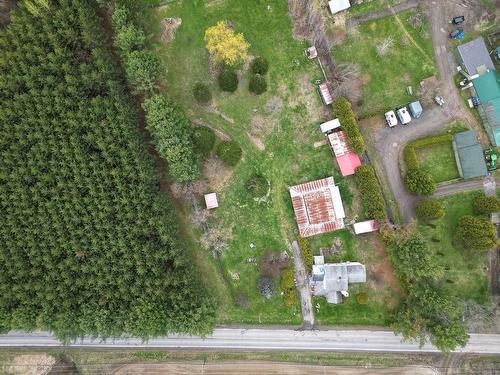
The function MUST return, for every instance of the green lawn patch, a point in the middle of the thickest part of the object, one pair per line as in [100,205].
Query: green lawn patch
[465,275]
[369,6]
[439,160]
[409,59]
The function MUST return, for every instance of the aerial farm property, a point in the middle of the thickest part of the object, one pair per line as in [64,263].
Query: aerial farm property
[176,166]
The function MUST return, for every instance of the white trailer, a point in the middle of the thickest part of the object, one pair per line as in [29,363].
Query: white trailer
[403,115]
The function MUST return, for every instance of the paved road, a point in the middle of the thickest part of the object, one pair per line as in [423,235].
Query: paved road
[389,143]
[262,339]
[303,287]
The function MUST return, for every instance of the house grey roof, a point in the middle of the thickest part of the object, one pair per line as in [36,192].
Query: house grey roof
[331,279]
[474,55]
[469,154]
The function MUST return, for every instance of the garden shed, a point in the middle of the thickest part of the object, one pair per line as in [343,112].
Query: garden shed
[318,207]
[347,160]
[367,226]
[336,6]
[211,201]
[469,155]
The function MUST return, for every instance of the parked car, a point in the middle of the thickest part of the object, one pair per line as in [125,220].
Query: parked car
[457,34]
[403,115]
[390,118]
[439,100]
[463,82]
[458,20]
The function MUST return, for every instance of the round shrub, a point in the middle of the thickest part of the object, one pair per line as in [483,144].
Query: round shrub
[362,298]
[257,186]
[204,139]
[258,84]
[420,182]
[429,209]
[265,286]
[486,205]
[259,65]
[228,80]
[229,152]
[202,93]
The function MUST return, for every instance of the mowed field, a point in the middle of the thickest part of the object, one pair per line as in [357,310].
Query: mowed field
[407,59]
[279,134]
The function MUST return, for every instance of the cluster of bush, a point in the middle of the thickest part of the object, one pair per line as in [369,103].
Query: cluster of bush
[429,209]
[371,193]
[142,66]
[204,141]
[427,313]
[258,68]
[342,109]
[173,137]
[477,232]
[417,180]
[272,266]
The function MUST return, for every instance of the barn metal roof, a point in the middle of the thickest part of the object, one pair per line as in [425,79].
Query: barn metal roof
[318,207]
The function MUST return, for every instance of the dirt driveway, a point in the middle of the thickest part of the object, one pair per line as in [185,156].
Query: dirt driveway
[271,368]
[388,143]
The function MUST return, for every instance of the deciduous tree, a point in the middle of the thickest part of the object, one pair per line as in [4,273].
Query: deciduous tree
[225,45]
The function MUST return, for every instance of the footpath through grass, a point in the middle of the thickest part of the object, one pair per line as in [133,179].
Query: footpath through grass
[408,59]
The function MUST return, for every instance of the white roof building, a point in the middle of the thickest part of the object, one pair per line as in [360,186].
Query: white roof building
[338,5]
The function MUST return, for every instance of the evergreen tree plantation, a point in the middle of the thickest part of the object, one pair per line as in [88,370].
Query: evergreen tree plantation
[88,243]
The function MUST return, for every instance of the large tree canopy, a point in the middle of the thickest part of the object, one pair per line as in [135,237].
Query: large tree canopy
[89,246]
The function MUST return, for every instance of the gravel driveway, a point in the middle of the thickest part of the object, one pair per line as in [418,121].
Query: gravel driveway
[389,143]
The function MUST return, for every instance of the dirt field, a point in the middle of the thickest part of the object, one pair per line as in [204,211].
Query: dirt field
[264,368]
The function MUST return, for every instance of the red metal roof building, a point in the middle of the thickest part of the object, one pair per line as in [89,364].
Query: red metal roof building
[347,160]
[318,207]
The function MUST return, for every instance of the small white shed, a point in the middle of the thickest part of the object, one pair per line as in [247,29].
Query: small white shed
[338,5]
[365,227]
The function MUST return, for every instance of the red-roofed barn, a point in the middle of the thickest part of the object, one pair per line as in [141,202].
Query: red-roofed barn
[318,207]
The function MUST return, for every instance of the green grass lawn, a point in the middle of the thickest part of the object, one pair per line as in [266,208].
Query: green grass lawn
[406,63]
[439,160]
[288,135]
[369,6]
[465,277]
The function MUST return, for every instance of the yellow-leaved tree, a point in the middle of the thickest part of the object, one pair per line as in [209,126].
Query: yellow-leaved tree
[225,45]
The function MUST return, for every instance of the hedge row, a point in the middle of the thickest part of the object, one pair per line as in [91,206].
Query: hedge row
[305,252]
[371,193]
[410,155]
[342,109]
[287,285]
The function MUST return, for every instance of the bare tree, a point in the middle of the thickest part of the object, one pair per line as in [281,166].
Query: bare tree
[385,46]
